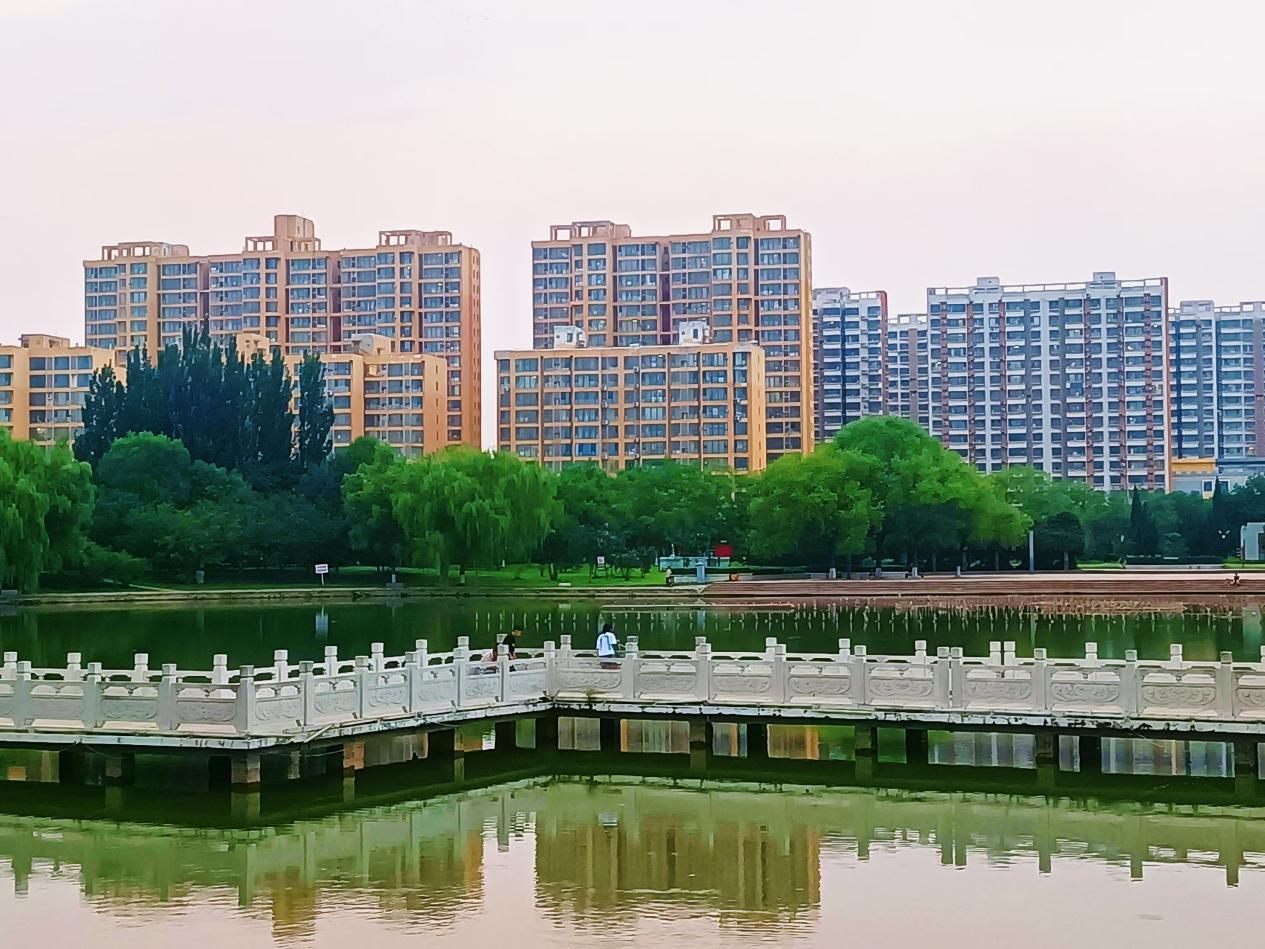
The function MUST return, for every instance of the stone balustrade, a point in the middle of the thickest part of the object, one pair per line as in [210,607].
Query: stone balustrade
[287,698]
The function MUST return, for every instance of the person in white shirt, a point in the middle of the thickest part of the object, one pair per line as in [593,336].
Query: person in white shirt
[607,645]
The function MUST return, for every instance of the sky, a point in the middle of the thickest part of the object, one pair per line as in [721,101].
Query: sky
[921,142]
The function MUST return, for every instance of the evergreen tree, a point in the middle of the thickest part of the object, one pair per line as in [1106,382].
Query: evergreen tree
[316,415]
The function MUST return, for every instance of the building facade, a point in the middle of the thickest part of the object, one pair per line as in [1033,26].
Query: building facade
[1217,361]
[747,280]
[851,370]
[375,391]
[417,289]
[624,406]
[1070,378]
[43,383]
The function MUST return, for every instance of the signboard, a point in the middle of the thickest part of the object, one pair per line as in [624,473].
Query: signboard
[601,561]
[322,568]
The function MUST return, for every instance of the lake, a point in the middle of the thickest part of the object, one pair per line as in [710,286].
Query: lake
[249,633]
[627,861]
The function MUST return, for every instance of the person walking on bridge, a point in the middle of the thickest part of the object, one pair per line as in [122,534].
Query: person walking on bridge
[608,647]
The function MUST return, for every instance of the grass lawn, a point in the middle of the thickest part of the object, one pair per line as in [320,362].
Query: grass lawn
[527,577]
[1099,565]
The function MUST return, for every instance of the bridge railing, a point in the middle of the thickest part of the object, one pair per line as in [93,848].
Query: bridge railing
[287,697]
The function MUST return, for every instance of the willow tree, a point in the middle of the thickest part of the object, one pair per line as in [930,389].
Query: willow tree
[45,504]
[470,508]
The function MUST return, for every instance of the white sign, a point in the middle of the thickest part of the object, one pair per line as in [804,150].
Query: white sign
[601,561]
[322,568]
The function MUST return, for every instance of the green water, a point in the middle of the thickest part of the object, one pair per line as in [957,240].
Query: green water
[629,862]
[249,634]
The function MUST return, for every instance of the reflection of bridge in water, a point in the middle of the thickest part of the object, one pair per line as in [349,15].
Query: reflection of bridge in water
[610,846]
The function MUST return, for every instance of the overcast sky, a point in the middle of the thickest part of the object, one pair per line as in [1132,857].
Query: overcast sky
[922,143]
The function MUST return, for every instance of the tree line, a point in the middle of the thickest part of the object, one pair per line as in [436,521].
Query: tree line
[149,504]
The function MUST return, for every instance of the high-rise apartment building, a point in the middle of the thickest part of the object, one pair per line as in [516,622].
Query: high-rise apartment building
[1217,364]
[417,289]
[905,368]
[748,280]
[696,403]
[43,383]
[850,340]
[1070,378]
[375,391]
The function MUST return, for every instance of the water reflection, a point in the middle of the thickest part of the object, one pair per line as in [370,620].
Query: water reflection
[250,633]
[598,857]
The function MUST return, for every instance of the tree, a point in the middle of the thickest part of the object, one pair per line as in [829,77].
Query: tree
[674,507]
[1059,536]
[316,415]
[1143,536]
[814,506]
[46,499]
[369,494]
[584,527]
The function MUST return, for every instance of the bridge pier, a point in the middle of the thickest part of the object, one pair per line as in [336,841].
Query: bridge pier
[757,741]
[609,734]
[866,750]
[1246,768]
[506,736]
[245,772]
[1046,752]
[700,745]
[442,745]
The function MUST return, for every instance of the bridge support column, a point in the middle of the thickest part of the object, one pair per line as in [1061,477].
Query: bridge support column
[244,772]
[700,745]
[1046,752]
[244,806]
[916,746]
[353,758]
[111,769]
[1246,768]
[547,733]
[443,746]
[609,731]
[866,749]
[1090,754]
[757,741]
[506,736]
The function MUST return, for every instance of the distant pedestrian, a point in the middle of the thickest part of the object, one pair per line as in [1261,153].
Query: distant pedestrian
[668,578]
[608,647]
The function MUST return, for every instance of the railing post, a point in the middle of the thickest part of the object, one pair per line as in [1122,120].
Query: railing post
[1175,656]
[940,674]
[1131,683]
[502,672]
[423,652]
[920,652]
[860,686]
[331,660]
[412,677]
[219,669]
[461,668]
[1008,654]
[845,649]
[377,657]
[281,665]
[74,667]
[551,668]
[702,670]
[1091,654]
[362,687]
[307,691]
[22,712]
[140,667]
[1225,687]
[778,669]
[92,696]
[167,720]
[9,667]
[245,718]
[1040,681]
[628,669]
[994,652]
[957,679]
[564,649]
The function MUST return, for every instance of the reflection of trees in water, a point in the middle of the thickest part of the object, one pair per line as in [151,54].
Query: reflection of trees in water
[750,857]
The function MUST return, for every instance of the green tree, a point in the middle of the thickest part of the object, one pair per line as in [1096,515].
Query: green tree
[1143,536]
[316,415]
[46,499]
[1059,537]
[815,507]
[675,507]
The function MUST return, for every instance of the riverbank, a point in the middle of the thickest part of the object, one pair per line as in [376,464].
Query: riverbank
[1128,589]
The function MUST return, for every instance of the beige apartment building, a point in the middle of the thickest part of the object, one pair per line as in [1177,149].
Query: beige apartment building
[397,398]
[43,383]
[623,406]
[748,280]
[416,289]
